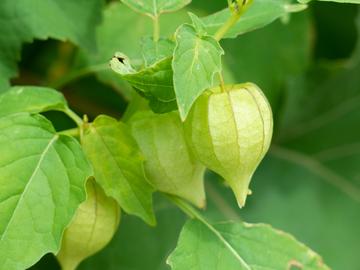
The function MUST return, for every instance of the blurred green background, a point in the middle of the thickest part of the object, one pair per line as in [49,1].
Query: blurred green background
[309,183]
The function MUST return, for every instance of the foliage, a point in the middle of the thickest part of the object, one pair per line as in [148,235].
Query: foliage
[191,93]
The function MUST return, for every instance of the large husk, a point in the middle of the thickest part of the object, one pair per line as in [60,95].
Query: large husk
[169,164]
[230,132]
[92,228]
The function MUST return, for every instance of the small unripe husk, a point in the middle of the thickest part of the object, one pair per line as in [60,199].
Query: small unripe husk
[230,130]
[169,164]
[93,226]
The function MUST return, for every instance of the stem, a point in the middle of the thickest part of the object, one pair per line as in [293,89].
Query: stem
[236,14]
[85,125]
[156,34]
[74,132]
[187,209]
[193,213]
[222,83]
[292,8]
[74,117]
[77,74]
[226,27]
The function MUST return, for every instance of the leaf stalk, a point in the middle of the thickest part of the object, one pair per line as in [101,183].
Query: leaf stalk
[194,214]
[73,132]
[74,117]
[156,34]
[237,9]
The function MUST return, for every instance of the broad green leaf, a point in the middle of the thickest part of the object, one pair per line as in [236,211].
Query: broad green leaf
[237,246]
[58,19]
[118,18]
[158,106]
[31,99]
[197,24]
[197,58]
[156,7]
[156,80]
[118,166]
[154,51]
[169,164]
[259,14]
[93,226]
[42,178]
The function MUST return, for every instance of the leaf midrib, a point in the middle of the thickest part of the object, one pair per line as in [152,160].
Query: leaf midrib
[38,165]
[120,169]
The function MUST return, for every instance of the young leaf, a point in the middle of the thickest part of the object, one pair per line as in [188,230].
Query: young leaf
[197,58]
[31,99]
[42,179]
[154,81]
[156,7]
[64,20]
[259,14]
[118,166]
[240,246]
[116,19]
[154,51]
[158,106]
[169,164]
[95,223]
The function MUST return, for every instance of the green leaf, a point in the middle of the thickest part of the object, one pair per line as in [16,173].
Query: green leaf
[118,166]
[118,18]
[31,99]
[158,106]
[93,226]
[156,7]
[198,24]
[58,19]
[197,58]
[169,164]
[236,246]
[259,14]
[154,51]
[42,178]
[154,82]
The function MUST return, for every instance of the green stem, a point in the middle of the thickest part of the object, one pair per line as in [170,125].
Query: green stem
[74,132]
[292,8]
[74,117]
[194,214]
[77,74]
[222,83]
[236,14]
[226,27]
[190,211]
[156,34]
